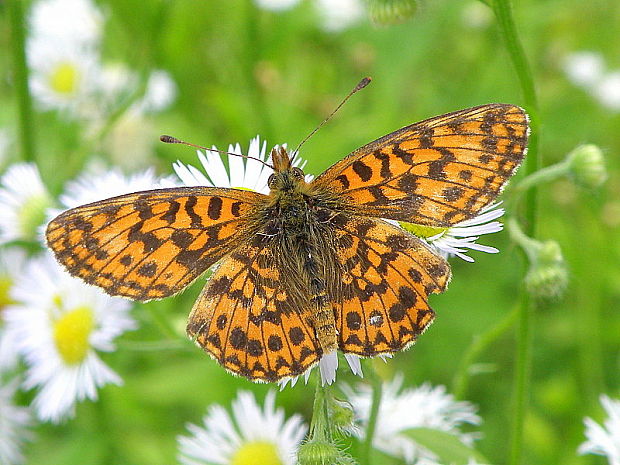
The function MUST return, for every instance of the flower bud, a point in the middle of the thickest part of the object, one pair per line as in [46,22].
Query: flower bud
[587,166]
[386,12]
[547,276]
[317,452]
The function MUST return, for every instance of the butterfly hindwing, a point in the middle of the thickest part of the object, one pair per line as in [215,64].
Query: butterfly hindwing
[151,244]
[247,321]
[437,172]
[387,279]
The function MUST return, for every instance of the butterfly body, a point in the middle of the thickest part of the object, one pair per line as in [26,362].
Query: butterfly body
[310,267]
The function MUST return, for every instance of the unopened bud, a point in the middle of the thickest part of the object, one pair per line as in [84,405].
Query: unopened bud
[587,166]
[548,276]
[386,12]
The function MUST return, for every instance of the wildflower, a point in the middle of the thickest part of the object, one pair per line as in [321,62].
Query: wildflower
[96,185]
[160,92]
[252,435]
[276,5]
[337,15]
[63,54]
[23,201]
[59,330]
[247,173]
[604,440]
[12,262]
[14,422]
[456,239]
[547,276]
[73,21]
[608,91]
[400,410]
[584,69]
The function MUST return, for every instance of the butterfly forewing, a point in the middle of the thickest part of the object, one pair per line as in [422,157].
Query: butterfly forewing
[389,275]
[437,172]
[248,321]
[152,244]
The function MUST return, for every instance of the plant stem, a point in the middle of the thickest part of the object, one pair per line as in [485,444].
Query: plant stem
[20,78]
[373,415]
[503,12]
[319,426]
[478,346]
[543,175]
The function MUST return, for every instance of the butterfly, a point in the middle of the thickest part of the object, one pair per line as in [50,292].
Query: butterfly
[312,267]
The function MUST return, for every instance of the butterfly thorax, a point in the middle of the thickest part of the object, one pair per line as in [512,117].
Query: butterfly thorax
[296,226]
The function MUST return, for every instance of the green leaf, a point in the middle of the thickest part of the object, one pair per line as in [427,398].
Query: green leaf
[448,447]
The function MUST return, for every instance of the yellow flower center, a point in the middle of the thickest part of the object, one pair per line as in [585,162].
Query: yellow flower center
[5,287]
[64,78]
[71,334]
[32,215]
[252,453]
[420,230]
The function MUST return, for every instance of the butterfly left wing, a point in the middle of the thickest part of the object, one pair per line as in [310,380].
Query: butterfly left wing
[151,244]
[249,323]
[388,275]
[437,172]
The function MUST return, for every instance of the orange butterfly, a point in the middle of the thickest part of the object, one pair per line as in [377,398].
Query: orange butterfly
[311,267]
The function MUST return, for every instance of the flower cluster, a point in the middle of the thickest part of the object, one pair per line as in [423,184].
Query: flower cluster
[255,435]
[587,70]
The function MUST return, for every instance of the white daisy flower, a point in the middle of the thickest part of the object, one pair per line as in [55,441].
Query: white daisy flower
[337,15]
[5,143]
[276,5]
[161,90]
[63,75]
[243,173]
[457,239]
[60,324]
[72,21]
[12,262]
[607,91]
[250,436]
[422,407]
[14,422]
[95,185]
[604,440]
[23,201]
[584,69]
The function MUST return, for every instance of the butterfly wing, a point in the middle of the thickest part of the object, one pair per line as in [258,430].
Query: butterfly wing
[151,244]
[388,275]
[249,323]
[437,172]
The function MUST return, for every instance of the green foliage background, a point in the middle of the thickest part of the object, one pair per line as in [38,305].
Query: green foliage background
[241,72]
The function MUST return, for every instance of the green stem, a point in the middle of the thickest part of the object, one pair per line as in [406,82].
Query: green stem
[528,245]
[373,415]
[543,175]
[20,78]
[503,12]
[319,426]
[478,346]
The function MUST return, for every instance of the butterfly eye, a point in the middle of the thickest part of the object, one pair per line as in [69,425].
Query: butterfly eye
[297,173]
[271,180]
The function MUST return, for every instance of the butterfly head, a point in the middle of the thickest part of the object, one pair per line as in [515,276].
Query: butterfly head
[285,176]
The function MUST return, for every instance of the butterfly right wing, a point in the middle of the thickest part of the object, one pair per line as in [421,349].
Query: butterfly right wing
[249,323]
[152,244]
[437,172]
[388,275]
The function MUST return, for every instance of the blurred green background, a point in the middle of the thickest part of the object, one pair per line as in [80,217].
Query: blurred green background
[243,71]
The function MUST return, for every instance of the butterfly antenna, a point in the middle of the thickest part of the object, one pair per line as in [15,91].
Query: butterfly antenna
[360,85]
[173,140]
